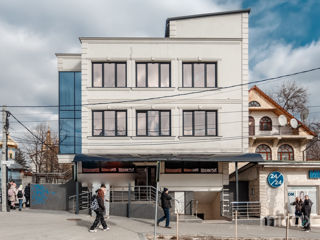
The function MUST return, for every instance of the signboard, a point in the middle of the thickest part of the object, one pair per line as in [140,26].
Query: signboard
[314,174]
[275,179]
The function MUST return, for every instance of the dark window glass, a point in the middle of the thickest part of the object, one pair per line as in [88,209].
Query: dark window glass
[97,75]
[109,75]
[90,167]
[173,167]
[208,167]
[153,75]
[109,123]
[69,112]
[265,124]
[285,152]
[199,75]
[254,104]
[200,123]
[191,167]
[153,123]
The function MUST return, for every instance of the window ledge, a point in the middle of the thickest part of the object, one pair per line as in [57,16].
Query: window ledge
[107,89]
[199,137]
[108,138]
[154,138]
[196,89]
[153,89]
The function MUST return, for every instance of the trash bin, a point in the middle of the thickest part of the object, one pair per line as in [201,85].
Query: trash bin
[271,221]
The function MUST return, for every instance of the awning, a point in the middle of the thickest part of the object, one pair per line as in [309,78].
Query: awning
[248,157]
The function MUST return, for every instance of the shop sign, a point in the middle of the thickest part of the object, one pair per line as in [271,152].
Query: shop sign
[275,179]
[314,174]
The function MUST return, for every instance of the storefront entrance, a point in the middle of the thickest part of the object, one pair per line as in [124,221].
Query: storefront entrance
[145,176]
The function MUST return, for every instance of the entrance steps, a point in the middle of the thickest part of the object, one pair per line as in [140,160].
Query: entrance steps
[188,218]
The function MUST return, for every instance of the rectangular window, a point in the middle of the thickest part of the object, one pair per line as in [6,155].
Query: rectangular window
[200,123]
[153,75]
[199,75]
[191,167]
[109,123]
[109,75]
[107,167]
[154,123]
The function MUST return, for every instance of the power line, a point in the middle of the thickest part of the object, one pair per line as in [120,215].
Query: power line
[173,95]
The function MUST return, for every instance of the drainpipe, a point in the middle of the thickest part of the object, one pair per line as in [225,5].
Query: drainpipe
[237,182]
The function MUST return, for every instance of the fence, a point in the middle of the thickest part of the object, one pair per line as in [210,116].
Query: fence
[137,193]
[245,210]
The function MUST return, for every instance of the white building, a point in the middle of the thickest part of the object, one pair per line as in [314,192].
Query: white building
[167,99]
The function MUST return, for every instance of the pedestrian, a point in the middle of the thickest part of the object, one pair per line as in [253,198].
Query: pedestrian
[12,196]
[298,209]
[166,205]
[20,194]
[8,187]
[306,210]
[27,194]
[98,201]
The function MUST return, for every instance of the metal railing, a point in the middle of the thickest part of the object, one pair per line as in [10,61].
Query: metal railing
[54,177]
[137,193]
[245,210]
[192,206]
[84,201]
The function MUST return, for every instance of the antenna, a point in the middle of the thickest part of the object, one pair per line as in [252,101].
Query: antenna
[294,123]
[304,114]
[282,120]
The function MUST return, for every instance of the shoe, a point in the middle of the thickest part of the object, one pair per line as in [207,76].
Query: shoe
[106,229]
[158,224]
[93,230]
[168,227]
[19,209]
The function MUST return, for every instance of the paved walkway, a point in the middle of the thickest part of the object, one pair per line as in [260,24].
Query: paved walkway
[39,225]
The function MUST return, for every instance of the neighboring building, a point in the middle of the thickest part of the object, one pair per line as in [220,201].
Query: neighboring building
[15,171]
[116,136]
[282,143]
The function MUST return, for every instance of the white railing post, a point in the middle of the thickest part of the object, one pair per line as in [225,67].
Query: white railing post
[236,225]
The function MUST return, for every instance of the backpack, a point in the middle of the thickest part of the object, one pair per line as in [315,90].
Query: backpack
[20,194]
[94,203]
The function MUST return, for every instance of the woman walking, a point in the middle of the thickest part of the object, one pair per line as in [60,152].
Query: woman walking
[99,212]
[20,195]
[298,209]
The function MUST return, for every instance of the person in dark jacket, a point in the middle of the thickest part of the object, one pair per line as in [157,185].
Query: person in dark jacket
[27,195]
[99,213]
[306,210]
[298,209]
[166,205]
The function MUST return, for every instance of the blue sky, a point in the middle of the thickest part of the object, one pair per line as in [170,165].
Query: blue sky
[284,38]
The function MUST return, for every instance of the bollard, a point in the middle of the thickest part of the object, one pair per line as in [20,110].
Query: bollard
[177,233]
[236,222]
[287,227]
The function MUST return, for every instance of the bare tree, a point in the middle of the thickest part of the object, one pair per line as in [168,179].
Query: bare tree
[291,97]
[313,148]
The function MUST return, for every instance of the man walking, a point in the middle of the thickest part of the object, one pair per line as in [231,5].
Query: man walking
[306,210]
[166,205]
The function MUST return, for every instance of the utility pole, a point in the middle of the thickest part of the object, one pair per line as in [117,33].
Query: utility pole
[4,160]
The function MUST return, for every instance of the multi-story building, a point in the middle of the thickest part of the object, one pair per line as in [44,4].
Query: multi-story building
[126,103]
[285,174]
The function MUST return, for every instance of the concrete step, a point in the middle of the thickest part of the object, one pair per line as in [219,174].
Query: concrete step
[188,218]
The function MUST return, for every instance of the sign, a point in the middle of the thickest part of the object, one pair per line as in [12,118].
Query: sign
[275,179]
[314,174]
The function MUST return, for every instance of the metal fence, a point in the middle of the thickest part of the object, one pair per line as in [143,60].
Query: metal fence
[136,193]
[245,210]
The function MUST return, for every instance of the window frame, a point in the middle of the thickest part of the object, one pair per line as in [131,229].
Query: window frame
[290,154]
[267,153]
[99,167]
[159,74]
[115,126]
[147,127]
[261,124]
[205,74]
[193,123]
[115,74]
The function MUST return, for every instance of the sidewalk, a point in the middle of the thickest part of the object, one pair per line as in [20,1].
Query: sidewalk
[49,225]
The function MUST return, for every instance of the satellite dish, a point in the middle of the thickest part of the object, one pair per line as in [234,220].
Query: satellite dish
[282,120]
[304,114]
[294,123]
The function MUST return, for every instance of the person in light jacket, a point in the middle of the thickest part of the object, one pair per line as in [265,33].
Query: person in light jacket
[166,205]
[12,196]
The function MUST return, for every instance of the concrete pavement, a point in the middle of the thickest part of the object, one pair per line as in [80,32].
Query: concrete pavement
[49,225]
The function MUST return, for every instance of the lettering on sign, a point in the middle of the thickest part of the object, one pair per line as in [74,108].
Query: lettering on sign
[275,179]
[314,174]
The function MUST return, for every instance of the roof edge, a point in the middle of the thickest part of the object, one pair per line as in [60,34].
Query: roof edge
[67,54]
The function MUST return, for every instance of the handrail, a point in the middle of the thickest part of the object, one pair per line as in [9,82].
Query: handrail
[246,210]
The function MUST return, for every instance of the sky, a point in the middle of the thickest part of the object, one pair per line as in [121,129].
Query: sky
[284,37]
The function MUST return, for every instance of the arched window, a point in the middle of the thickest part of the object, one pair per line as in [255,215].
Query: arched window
[254,104]
[285,152]
[265,151]
[265,124]
[251,126]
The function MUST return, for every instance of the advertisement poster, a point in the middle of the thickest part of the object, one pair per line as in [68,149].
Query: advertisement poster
[297,191]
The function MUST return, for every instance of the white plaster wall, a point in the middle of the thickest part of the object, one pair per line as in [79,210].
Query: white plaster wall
[223,26]
[69,62]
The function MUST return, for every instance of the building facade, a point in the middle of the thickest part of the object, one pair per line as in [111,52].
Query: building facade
[286,173]
[126,103]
